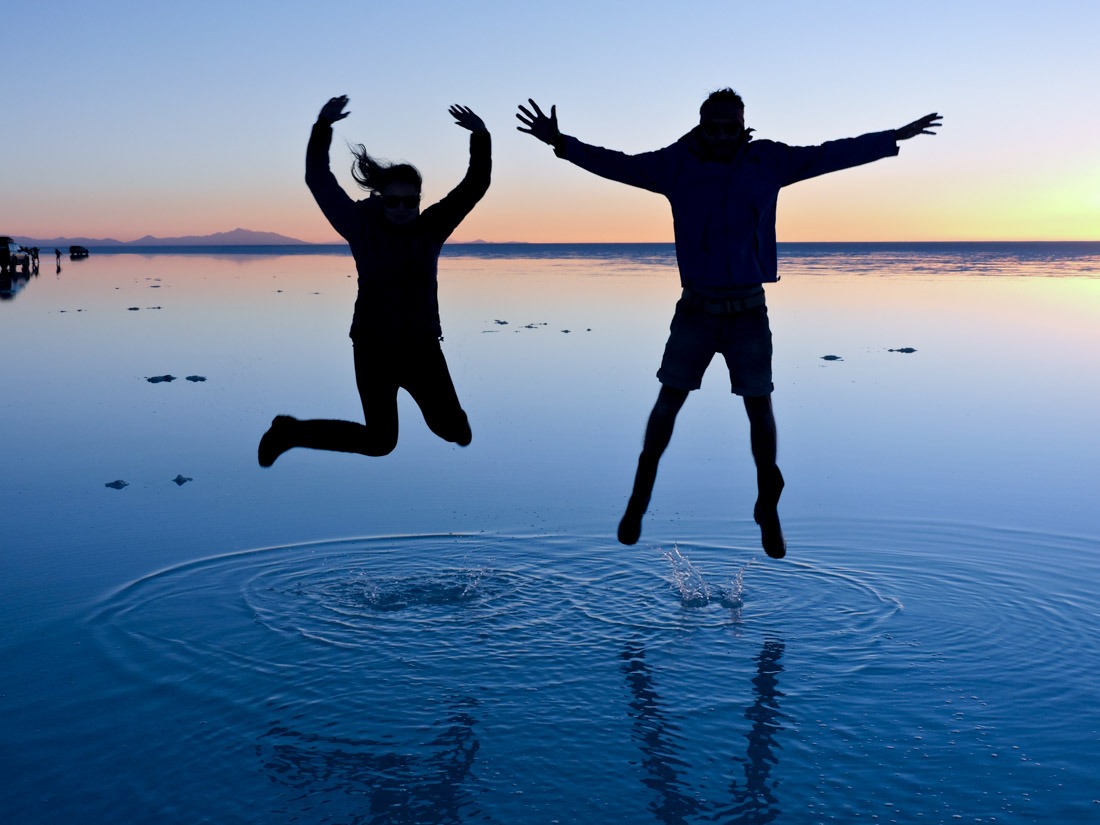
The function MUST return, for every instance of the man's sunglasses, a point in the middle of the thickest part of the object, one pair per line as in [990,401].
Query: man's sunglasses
[712,129]
[393,201]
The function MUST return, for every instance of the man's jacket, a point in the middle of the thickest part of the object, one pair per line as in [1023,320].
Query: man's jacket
[724,211]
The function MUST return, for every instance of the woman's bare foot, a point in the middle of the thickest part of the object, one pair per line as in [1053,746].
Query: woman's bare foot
[276,440]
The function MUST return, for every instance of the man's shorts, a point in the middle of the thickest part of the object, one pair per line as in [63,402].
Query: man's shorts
[744,339]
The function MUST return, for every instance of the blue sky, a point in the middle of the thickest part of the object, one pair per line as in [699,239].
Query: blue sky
[125,118]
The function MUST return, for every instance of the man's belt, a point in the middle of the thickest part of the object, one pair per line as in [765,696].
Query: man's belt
[723,306]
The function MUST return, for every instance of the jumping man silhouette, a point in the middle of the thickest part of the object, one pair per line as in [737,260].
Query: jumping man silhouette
[722,186]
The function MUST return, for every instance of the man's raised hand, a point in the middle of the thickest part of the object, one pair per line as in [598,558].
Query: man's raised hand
[538,124]
[924,126]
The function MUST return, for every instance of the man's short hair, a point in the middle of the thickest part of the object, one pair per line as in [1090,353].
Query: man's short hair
[722,97]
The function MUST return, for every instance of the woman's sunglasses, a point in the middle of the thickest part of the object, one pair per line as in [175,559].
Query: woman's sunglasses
[394,201]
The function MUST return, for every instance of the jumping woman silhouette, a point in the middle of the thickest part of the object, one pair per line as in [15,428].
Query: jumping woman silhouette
[395,328]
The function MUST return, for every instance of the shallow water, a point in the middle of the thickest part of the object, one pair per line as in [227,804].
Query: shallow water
[447,635]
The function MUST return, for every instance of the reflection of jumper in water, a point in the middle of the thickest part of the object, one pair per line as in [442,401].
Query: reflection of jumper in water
[395,328]
[392,784]
[659,737]
[755,801]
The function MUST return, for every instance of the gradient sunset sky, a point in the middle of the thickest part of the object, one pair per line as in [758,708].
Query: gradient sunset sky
[127,118]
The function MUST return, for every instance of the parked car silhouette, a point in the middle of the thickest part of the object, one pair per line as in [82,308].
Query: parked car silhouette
[12,255]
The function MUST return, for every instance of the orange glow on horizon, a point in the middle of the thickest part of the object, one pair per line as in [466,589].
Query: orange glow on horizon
[897,205]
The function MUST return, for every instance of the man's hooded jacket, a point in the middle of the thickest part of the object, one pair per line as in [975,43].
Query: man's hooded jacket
[724,211]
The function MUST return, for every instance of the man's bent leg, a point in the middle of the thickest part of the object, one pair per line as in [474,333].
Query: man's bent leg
[769,481]
[657,435]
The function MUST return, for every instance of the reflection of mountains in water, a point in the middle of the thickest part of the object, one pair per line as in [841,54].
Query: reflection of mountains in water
[974,258]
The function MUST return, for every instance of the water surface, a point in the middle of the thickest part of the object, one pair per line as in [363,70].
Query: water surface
[446,635]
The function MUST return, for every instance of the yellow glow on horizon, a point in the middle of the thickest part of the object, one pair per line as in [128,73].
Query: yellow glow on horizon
[868,204]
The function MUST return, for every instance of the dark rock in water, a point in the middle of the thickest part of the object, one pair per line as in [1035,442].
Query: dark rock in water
[196,378]
[181,480]
[158,379]
[902,349]
[118,484]
[831,358]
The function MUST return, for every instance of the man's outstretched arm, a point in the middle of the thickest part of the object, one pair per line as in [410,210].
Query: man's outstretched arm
[802,162]
[923,126]
[649,170]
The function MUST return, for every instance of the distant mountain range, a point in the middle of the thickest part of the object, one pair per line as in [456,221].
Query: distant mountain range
[238,237]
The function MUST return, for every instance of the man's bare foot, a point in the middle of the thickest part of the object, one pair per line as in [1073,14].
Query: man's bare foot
[766,513]
[276,440]
[630,528]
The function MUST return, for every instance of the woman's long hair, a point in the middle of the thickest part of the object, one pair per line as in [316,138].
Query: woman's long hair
[373,174]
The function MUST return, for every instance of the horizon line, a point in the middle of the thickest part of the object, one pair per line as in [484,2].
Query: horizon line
[110,242]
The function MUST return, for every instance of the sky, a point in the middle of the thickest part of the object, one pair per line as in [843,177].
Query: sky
[123,119]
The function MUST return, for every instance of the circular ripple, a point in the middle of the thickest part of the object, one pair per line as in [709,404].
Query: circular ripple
[982,594]
[287,608]
[382,664]
[711,584]
[457,603]
[972,587]
[349,594]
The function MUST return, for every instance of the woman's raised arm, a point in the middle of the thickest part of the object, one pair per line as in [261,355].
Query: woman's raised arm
[333,200]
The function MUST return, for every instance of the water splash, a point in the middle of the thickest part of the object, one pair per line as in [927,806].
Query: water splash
[433,590]
[686,581]
[694,591]
[732,599]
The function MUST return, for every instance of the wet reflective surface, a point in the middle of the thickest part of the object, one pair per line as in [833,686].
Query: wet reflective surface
[446,635]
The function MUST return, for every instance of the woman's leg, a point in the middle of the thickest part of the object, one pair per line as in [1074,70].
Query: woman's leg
[377,385]
[428,381]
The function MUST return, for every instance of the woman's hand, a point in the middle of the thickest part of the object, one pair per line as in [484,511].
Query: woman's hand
[464,116]
[334,109]
[543,127]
